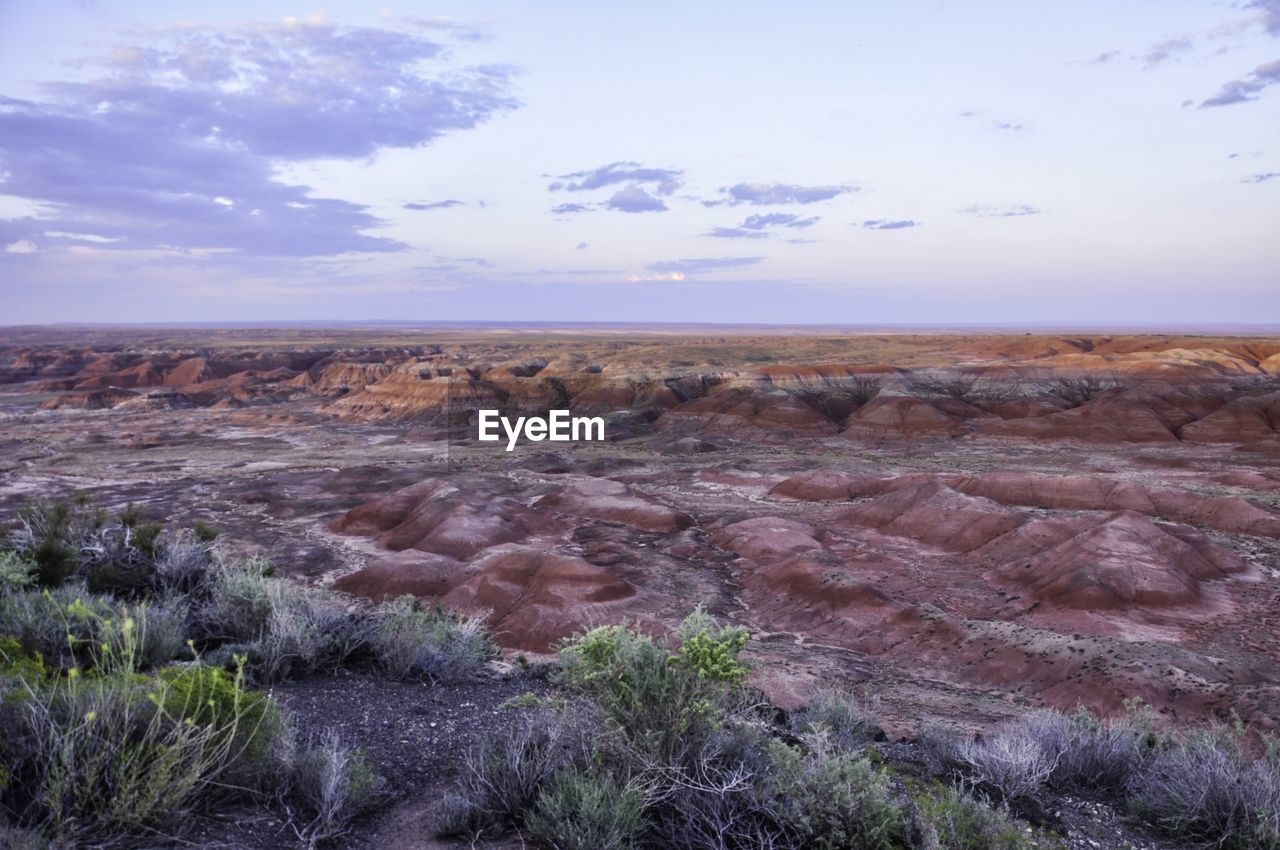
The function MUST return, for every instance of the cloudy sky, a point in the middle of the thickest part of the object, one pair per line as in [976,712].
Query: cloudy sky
[874,161]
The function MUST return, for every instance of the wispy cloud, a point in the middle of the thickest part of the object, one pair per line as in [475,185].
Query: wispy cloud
[1167,50]
[999,211]
[671,276]
[436,205]
[1247,89]
[765,194]
[760,226]
[889,224]
[767,220]
[736,233]
[566,209]
[702,264]
[664,180]
[1261,178]
[634,199]
[177,143]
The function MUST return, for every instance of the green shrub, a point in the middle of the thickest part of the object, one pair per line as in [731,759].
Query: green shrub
[948,819]
[710,652]
[656,696]
[16,573]
[283,628]
[586,811]
[68,627]
[213,698]
[110,753]
[845,721]
[410,640]
[17,663]
[204,532]
[843,801]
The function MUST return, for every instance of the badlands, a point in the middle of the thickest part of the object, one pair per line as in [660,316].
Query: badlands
[965,525]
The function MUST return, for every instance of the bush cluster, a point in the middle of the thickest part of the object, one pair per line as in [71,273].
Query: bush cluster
[1203,784]
[128,661]
[666,747]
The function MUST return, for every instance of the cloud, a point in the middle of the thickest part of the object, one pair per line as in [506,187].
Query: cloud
[665,180]
[21,246]
[1166,50]
[759,226]
[178,142]
[565,209]
[1241,91]
[1262,178]
[582,246]
[437,205]
[736,233]
[671,276]
[634,199]
[1008,211]
[766,220]
[1270,14]
[764,194]
[702,264]
[886,224]
[1105,58]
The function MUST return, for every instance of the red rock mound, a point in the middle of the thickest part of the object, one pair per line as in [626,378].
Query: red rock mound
[407,573]
[1102,421]
[936,514]
[1244,420]
[437,517]
[94,400]
[1122,561]
[826,485]
[530,598]
[767,537]
[613,501]
[535,598]
[892,416]
[1077,492]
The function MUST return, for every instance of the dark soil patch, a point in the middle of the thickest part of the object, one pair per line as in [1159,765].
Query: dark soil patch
[414,734]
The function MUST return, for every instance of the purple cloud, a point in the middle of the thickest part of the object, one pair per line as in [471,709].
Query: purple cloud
[885,224]
[763,194]
[1270,14]
[702,264]
[177,143]
[1242,91]
[758,226]
[437,205]
[634,199]
[1262,178]
[736,233]
[582,246]
[565,209]
[760,222]
[1166,50]
[665,180]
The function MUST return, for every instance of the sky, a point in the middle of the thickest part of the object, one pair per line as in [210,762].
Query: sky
[861,162]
